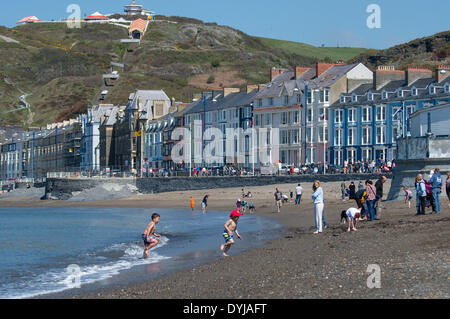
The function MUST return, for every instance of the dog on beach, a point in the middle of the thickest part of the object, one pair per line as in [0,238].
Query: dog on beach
[343,217]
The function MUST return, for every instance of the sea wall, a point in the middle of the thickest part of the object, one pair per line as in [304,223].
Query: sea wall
[65,189]
[407,170]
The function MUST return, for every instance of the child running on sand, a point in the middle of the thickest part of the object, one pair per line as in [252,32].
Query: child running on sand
[149,235]
[230,227]
[353,214]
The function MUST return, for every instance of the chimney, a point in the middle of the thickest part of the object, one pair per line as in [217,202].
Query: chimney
[413,74]
[250,88]
[385,74]
[321,67]
[299,71]
[442,72]
[227,91]
[274,72]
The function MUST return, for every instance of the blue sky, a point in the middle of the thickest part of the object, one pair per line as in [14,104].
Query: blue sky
[317,22]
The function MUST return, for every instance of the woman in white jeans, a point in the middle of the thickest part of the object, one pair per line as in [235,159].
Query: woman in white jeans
[317,197]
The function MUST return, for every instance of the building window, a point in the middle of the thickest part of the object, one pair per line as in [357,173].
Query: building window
[447,88]
[395,133]
[351,156]
[381,113]
[268,118]
[286,99]
[309,134]
[410,110]
[311,155]
[324,96]
[396,113]
[294,137]
[338,137]
[309,118]
[310,97]
[284,137]
[432,89]
[342,99]
[366,135]
[338,157]
[259,102]
[414,91]
[370,96]
[354,98]
[323,116]
[366,114]
[381,135]
[384,95]
[366,155]
[284,118]
[321,131]
[257,119]
[271,101]
[352,115]
[338,116]
[295,117]
[351,136]
[400,93]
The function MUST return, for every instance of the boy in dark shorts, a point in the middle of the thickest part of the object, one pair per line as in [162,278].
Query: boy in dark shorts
[230,227]
[149,235]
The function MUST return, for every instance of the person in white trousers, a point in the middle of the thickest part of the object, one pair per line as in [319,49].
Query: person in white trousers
[317,197]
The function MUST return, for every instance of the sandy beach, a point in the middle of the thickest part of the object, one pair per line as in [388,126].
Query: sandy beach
[411,251]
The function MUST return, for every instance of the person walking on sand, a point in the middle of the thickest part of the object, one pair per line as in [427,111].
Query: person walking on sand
[298,196]
[436,187]
[149,235]
[421,195]
[205,203]
[230,228]
[278,199]
[377,204]
[317,197]
[192,203]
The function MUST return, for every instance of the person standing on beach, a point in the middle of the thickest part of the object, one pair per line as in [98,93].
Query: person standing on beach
[230,228]
[352,189]
[379,197]
[371,196]
[192,203]
[447,186]
[149,235]
[205,203]
[317,197]
[343,191]
[298,192]
[421,195]
[436,186]
[278,199]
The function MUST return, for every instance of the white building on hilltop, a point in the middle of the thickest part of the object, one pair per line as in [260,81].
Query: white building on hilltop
[136,9]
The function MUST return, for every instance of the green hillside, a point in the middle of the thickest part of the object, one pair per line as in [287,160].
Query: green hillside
[324,53]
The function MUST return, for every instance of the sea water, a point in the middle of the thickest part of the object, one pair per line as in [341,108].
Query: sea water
[38,244]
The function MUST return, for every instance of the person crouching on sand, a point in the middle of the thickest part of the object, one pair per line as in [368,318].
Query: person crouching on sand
[353,214]
[149,235]
[230,228]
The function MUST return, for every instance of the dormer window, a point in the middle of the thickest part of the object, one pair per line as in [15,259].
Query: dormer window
[384,95]
[414,91]
[354,98]
[432,89]
[370,96]
[399,93]
[447,88]
[342,100]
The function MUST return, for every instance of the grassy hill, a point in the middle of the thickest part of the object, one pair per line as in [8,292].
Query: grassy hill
[424,52]
[61,68]
[325,53]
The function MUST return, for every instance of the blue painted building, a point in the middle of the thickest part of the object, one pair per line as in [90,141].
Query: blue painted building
[366,122]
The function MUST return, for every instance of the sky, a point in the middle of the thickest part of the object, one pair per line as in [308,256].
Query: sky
[316,22]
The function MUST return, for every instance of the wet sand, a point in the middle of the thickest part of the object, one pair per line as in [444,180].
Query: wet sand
[411,251]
